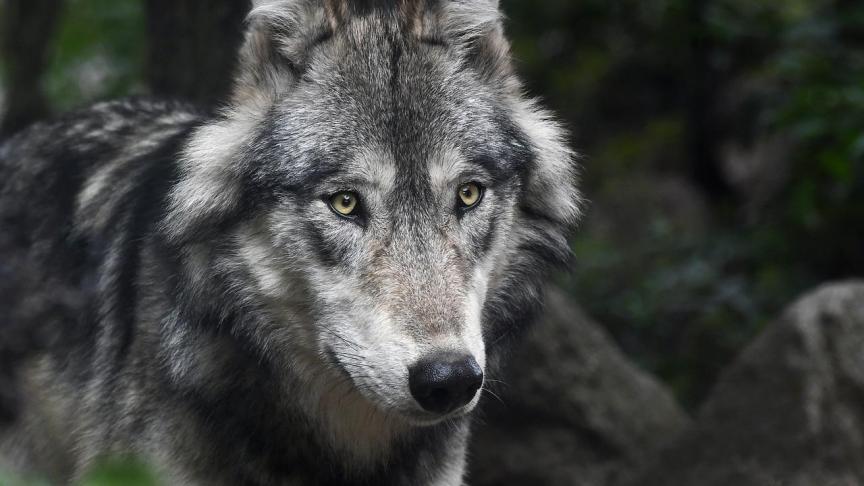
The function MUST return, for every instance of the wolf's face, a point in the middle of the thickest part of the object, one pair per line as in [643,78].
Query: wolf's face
[402,175]
[395,200]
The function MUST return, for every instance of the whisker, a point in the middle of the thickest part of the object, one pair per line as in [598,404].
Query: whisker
[487,390]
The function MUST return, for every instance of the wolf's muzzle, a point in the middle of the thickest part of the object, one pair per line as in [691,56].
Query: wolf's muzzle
[444,382]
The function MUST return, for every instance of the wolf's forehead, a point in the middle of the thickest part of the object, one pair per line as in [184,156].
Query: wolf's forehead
[380,110]
[379,169]
[378,143]
[382,170]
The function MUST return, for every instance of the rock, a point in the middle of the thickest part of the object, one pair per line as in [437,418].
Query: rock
[573,411]
[789,411]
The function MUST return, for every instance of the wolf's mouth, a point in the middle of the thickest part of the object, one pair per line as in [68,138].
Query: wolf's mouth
[415,413]
[422,418]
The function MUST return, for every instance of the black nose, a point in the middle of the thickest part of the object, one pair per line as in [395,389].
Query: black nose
[444,382]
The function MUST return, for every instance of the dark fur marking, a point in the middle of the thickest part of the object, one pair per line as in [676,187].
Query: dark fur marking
[488,236]
[327,253]
[435,41]
[395,58]
[145,204]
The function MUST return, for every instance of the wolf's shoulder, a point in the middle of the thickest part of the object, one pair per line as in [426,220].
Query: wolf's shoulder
[89,157]
[101,125]
[82,140]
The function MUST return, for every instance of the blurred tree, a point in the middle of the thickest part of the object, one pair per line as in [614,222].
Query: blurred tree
[192,46]
[703,137]
[821,65]
[28,27]
[99,53]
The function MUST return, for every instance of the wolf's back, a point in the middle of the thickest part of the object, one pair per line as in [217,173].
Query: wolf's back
[75,194]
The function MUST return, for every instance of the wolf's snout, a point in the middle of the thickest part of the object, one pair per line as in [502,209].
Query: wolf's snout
[444,382]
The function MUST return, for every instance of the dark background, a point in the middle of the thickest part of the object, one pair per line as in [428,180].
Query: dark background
[723,141]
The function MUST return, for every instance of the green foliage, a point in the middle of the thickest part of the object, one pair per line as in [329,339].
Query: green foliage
[99,52]
[682,304]
[822,62]
[120,473]
[114,472]
[684,301]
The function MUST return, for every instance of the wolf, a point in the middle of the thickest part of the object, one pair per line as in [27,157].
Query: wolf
[312,285]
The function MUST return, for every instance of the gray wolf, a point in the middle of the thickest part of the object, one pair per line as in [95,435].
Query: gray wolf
[311,286]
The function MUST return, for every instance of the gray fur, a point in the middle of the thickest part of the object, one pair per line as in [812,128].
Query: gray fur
[212,315]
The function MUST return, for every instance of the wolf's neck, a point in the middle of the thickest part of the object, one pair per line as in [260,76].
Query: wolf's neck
[382,445]
[344,442]
[355,428]
[318,429]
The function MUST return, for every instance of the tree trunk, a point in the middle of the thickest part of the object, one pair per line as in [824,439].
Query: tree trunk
[27,31]
[703,129]
[193,47]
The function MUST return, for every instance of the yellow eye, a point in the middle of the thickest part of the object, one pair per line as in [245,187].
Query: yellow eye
[470,194]
[344,203]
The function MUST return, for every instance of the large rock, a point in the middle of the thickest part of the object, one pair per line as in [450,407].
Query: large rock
[573,411]
[789,411]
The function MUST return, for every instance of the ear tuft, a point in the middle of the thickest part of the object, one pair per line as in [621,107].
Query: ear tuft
[476,27]
[553,186]
[468,20]
[548,215]
[274,54]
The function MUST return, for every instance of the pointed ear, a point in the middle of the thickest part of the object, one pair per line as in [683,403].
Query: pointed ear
[540,242]
[552,188]
[279,35]
[476,28]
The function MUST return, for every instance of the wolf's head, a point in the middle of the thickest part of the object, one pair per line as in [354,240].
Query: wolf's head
[379,202]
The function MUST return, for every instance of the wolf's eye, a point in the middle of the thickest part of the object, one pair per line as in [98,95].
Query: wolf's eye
[344,203]
[470,194]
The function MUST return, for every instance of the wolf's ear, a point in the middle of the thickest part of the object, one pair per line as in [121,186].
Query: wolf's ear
[539,243]
[278,38]
[552,188]
[476,28]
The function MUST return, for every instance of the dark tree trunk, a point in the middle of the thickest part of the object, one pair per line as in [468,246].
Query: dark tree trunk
[27,31]
[193,47]
[703,130]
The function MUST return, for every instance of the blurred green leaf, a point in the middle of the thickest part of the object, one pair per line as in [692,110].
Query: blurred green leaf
[99,54]
[120,473]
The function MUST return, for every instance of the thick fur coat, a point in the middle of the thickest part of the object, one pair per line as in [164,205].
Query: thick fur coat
[181,286]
